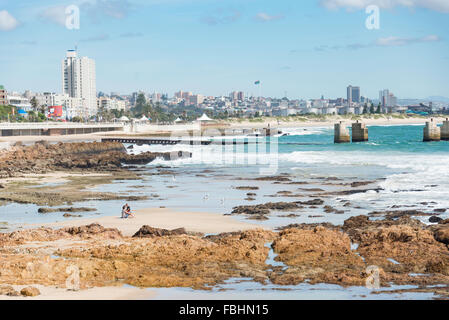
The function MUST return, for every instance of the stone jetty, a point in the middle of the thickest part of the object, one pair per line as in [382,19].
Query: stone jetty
[431,131]
[341,133]
[445,130]
[359,132]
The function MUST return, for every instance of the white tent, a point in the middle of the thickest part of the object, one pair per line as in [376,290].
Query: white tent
[124,119]
[178,120]
[143,119]
[204,118]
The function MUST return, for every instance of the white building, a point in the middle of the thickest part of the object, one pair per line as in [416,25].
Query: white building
[79,81]
[111,104]
[19,102]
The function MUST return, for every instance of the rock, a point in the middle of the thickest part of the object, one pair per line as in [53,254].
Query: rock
[262,209]
[400,213]
[274,178]
[360,183]
[68,215]
[440,210]
[435,219]
[442,235]
[314,202]
[30,292]
[258,217]
[149,232]
[94,230]
[8,291]
[71,209]
[247,188]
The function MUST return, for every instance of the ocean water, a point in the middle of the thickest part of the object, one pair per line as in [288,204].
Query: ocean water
[410,171]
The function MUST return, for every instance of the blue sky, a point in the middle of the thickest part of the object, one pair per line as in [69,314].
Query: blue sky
[306,48]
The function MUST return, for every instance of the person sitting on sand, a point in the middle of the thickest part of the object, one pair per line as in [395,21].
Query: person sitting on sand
[128,213]
[124,211]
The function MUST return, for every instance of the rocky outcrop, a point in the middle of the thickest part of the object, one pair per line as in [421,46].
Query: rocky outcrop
[30,292]
[43,157]
[93,230]
[404,250]
[69,209]
[149,232]
[262,209]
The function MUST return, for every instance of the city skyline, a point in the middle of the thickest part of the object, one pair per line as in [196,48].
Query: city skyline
[305,49]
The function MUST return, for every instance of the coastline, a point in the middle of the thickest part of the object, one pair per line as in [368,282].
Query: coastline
[284,122]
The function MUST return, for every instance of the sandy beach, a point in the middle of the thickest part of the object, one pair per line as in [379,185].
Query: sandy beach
[164,219]
[98,293]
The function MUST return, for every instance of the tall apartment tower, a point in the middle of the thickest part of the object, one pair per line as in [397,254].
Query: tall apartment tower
[353,94]
[79,81]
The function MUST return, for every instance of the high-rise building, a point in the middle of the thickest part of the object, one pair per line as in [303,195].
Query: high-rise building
[387,99]
[79,81]
[196,99]
[353,94]
[3,96]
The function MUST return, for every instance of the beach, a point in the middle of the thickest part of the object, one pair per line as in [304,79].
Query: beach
[215,222]
[206,223]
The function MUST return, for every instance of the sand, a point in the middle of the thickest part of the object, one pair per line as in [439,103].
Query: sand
[50,177]
[207,223]
[329,122]
[98,293]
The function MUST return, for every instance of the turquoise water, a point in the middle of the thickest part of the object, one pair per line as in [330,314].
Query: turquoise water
[391,139]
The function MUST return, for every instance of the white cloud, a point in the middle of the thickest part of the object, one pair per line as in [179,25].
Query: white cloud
[265,17]
[381,42]
[7,21]
[397,41]
[437,5]
[54,14]
[222,16]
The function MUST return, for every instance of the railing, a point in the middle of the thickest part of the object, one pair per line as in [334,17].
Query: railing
[41,125]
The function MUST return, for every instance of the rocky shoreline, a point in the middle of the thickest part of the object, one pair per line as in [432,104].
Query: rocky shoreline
[43,157]
[405,251]
[85,164]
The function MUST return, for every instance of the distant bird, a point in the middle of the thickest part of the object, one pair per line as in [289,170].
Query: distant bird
[206,197]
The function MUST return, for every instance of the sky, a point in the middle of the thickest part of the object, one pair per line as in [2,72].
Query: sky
[299,49]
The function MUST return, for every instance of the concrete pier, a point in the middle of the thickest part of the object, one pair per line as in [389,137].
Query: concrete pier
[432,132]
[445,130]
[359,132]
[341,133]
[55,129]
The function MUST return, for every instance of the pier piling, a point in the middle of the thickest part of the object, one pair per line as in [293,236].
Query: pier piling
[341,133]
[431,131]
[445,130]
[359,132]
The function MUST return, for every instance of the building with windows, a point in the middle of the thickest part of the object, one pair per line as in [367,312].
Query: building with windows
[353,94]
[79,82]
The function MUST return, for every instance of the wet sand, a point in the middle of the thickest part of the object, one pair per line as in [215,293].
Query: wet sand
[164,219]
